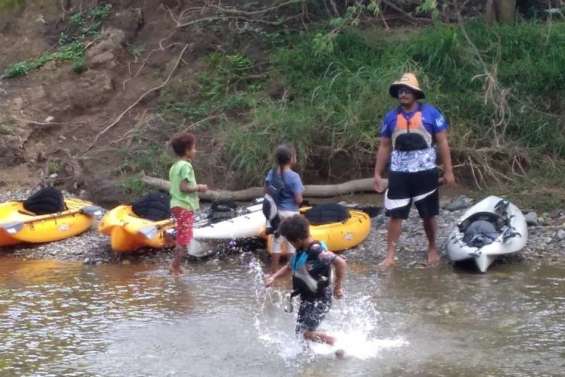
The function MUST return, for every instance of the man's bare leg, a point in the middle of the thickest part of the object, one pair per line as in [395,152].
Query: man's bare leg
[430,226]
[393,235]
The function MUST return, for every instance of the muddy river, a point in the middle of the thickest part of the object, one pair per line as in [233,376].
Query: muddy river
[70,319]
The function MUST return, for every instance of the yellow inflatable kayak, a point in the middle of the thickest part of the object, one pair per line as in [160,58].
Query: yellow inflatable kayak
[339,236]
[129,232]
[18,225]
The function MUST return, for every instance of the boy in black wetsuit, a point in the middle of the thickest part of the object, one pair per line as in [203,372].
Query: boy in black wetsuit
[311,272]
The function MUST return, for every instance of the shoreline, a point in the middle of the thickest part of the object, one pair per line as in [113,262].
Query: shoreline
[546,241]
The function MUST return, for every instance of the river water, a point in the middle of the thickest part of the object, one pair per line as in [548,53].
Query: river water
[70,319]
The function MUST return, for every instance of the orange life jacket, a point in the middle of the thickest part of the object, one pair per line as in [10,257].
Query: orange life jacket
[410,134]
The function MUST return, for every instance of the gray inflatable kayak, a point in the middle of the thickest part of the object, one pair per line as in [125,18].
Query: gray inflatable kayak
[489,229]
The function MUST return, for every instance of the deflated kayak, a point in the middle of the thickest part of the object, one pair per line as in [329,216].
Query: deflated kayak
[17,225]
[490,228]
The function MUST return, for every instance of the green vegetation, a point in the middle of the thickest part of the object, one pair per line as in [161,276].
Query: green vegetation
[134,187]
[153,158]
[334,91]
[11,4]
[71,47]
[73,52]
[8,128]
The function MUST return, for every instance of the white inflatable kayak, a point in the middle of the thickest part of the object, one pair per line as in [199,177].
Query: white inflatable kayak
[490,228]
[247,225]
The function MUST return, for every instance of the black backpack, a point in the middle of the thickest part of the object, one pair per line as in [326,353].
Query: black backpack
[276,186]
[45,201]
[271,213]
[327,213]
[155,206]
[222,210]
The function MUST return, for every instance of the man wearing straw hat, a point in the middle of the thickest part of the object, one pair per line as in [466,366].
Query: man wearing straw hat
[409,136]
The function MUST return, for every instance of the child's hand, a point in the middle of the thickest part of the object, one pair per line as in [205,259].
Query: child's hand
[202,188]
[269,280]
[338,292]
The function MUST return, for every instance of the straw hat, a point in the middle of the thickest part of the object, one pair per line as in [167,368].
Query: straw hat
[408,80]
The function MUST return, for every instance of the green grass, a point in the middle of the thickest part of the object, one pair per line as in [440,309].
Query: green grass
[71,46]
[336,96]
[10,4]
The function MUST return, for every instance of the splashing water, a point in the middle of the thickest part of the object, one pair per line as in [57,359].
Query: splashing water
[352,320]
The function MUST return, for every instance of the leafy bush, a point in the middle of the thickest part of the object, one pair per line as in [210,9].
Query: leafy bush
[337,93]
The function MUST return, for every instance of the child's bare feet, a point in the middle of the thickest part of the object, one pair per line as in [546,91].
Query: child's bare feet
[176,269]
[319,337]
[340,354]
[386,264]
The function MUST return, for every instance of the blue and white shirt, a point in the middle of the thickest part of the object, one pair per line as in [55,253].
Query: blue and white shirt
[419,160]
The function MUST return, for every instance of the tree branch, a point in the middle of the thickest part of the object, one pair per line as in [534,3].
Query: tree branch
[311,191]
[158,87]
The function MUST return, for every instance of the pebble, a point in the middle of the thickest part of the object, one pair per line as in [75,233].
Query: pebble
[461,202]
[532,218]
[93,248]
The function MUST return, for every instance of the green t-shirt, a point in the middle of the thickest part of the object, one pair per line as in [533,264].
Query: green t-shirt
[182,170]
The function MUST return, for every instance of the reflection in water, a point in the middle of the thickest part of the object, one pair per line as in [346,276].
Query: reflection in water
[136,320]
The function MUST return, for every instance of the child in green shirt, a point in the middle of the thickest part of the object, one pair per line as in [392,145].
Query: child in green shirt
[184,194]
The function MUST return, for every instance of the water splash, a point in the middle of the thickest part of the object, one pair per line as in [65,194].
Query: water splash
[353,321]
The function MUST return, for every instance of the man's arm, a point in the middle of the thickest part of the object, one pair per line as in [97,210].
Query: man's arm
[445,154]
[383,155]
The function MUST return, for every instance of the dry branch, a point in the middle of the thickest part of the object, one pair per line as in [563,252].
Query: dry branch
[311,191]
[158,87]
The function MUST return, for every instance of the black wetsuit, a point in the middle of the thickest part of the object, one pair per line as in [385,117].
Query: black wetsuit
[311,271]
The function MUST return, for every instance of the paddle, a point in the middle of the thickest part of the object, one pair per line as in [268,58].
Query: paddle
[14,227]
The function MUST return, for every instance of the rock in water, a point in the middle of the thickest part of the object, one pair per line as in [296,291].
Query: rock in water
[461,202]
[532,218]
[560,234]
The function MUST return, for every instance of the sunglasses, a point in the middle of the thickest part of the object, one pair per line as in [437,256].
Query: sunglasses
[405,91]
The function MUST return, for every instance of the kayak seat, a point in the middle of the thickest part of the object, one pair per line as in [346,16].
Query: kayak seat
[496,220]
[45,201]
[154,206]
[327,213]
[481,229]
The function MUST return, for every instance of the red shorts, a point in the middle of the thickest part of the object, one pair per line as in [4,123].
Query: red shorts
[183,219]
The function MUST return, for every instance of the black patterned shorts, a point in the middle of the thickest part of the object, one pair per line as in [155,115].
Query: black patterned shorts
[312,312]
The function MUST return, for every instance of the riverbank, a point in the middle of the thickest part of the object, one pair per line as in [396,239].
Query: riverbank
[546,238]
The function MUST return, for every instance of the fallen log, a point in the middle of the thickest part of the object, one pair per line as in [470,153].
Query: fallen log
[310,191]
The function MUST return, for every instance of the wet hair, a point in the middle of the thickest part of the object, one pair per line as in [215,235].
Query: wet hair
[295,228]
[182,142]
